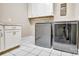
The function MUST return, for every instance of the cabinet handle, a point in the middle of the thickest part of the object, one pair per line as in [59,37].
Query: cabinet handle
[1,35]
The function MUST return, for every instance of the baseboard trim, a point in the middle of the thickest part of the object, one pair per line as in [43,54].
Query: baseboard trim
[8,50]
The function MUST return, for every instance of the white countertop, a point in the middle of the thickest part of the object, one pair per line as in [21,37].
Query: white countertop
[10,24]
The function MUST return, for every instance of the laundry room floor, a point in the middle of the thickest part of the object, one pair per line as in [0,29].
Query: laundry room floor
[28,48]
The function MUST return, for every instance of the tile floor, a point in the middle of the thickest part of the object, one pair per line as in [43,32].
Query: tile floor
[28,48]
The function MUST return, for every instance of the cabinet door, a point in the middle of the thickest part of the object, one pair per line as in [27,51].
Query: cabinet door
[40,9]
[1,38]
[17,37]
[12,38]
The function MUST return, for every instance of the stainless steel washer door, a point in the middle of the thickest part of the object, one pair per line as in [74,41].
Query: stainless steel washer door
[65,36]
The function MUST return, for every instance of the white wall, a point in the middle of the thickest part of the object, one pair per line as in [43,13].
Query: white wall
[70,12]
[77,11]
[15,13]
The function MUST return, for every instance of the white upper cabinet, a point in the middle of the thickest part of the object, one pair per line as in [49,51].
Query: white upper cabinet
[40,9]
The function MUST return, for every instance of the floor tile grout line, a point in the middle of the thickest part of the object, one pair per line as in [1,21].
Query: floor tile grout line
[22,50]
[31,51]
[50,53]
[43,50]
[23,45]
[39,52]
[17,52]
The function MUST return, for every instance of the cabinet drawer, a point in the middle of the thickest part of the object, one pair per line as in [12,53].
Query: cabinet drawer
[12,27]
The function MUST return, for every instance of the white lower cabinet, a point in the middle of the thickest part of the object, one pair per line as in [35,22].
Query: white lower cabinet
[1,38]
[12,38]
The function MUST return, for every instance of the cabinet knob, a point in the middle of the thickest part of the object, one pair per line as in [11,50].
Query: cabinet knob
[14,33]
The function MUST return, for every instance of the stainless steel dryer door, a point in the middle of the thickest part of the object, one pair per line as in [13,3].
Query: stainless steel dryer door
[65,36]
[43,35]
